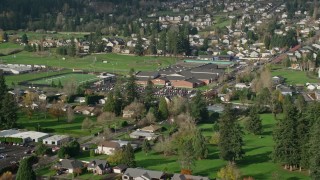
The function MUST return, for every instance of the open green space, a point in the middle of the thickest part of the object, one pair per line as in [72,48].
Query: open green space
[97,62]
[10,79]
[294,76]
[256,163]
[9,48]
[65,78]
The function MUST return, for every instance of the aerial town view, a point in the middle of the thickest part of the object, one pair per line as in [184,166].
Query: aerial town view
[159,89]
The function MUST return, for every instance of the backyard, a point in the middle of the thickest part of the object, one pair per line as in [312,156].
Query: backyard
[256,163]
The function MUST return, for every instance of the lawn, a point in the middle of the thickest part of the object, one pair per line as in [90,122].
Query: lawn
[114,63]
[293,76]
[65,78]
[256,163]
[9,48]
[34,75]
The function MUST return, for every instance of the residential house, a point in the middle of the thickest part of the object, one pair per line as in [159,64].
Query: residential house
[185,177]
[80,100]
[99,167]
[240,86]
[42,97]
[107,147]
[151,128]
[86,110]
[121,168]
[142,174]
[69,165]
[285,90]
[127,114]
[277,80]
[139,134]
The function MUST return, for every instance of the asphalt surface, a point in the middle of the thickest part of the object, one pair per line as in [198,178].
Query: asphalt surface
[12,154]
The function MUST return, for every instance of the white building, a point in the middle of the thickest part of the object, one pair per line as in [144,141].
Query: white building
[56,140]
[107,147]
[30,136]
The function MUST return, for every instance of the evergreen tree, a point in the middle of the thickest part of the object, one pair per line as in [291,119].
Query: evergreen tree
[118,99]
[3,86]
[153,45]
[253,123]
[60,84]
[148,95]
[314,151]
[62,152]
[24,39]
[110,104]
[163,42]
[199,108]
[25,171]
[131,88]
[8,112]
[138,49]
[163,109]
[186,156]
[230,141]
[5,37]
[199,145]
[146,147]
[286,149]
[128,156]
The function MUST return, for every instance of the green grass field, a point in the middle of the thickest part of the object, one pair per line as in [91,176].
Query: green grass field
[256,163]
[293,77]
[27,77]
[116,63]
[8,48]
[65,78]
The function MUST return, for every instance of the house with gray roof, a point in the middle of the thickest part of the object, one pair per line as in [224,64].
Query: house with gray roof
[186,177]
[69,165]
[99,167]
[139,174]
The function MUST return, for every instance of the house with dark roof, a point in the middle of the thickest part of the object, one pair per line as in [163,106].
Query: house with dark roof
[285,90]
[121,168]
[99,167]
[186,177]
[69,165]
[136,173]
[142,78]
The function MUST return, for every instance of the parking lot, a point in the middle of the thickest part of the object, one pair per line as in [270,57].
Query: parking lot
[11,154]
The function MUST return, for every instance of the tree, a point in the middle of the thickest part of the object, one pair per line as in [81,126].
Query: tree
[153,45]
[146,147]
[178,105]
[104,117]
[131,88]
[163,109]
[148,95]
[92,153]
[314,151]
[70,115]
[56,109]
[118,99]
[128,156]
[73,148]
[110,104]
[286,149]
[42,149]
[70,88]
[186,156]
[230,142]
[253,124]
[62,153]
[163,42]
[137,108]
[3,85]
[87,124]
[138,49]
[60,84]
[28,101]
[7,176]
[117,157]
[8,112]
[24,39]
[25,171]
[199,144]
[230,172]
[199,108]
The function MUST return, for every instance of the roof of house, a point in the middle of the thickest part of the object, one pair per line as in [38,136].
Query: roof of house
[8,132]
[147,74]
[151,128]
[142,133]
[121,166]
[56,138]
[70,164]
[136,172]
[101,163]
[188,177]
[30,134]
[109,144]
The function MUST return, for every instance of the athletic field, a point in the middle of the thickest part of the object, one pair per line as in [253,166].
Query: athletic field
[65,78]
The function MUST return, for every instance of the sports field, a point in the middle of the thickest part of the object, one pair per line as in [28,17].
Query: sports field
[65,78]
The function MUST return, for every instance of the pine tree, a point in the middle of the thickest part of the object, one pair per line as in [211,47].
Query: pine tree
[118,99]
[131,88]
[253,123]
[148,95]
[8,111]
[286,149]
[163,109]
[24,39]
[25,171]
[199,145]
[60,84]
[138,49]
[110,104]
[128,156]
[3,86]
[146,147]
[186,156]
[199,108]
[230,143]
[153,44]
[314,151]
[163,42]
